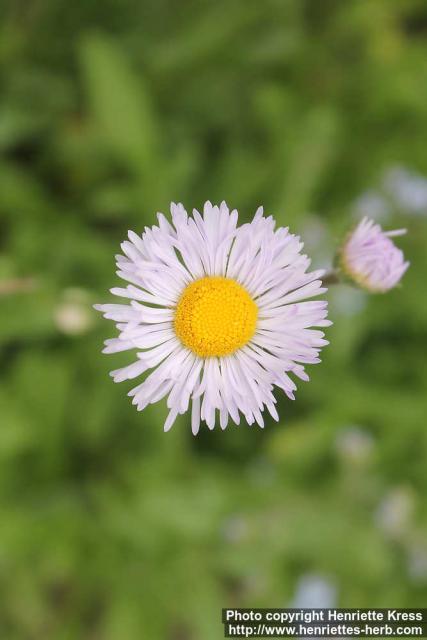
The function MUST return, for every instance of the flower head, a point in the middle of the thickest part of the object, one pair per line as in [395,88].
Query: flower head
[370,259]
[218,312]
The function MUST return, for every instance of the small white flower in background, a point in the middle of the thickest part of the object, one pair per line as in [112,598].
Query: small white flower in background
[235,529]
[407,189]
[371,204]
[417,562]
[219,312]
[314,591]
[369,258]
[73,315]
[395,512]
[354,445]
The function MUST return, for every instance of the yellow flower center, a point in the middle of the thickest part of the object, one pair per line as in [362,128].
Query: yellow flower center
[215,316]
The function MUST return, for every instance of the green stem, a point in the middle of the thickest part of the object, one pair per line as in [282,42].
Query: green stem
[332,277]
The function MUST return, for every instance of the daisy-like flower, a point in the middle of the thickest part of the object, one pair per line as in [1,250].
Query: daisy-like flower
[370,259]
[219,312]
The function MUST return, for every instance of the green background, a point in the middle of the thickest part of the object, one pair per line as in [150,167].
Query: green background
[109,528]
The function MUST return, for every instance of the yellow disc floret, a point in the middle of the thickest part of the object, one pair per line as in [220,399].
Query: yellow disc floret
[215,316]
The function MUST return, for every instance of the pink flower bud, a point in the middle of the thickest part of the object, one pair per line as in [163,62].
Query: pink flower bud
[370,259]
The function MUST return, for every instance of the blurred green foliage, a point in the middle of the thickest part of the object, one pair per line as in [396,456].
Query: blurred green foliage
[110,529]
